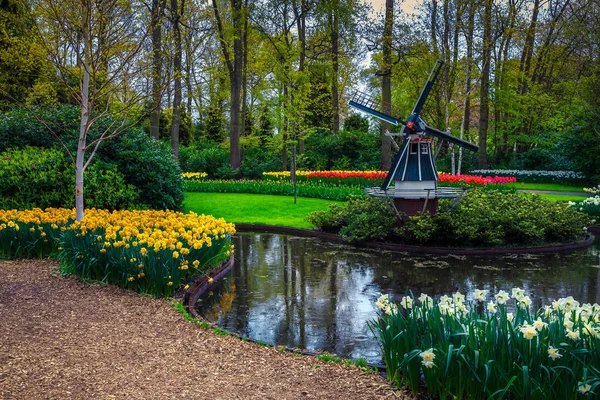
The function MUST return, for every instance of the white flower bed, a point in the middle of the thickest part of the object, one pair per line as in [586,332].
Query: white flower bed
[534,176]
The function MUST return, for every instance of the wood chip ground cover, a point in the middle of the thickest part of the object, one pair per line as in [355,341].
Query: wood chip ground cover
[62,338]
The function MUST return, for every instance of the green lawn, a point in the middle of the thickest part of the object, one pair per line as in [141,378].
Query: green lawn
[561,197]
[255,208]
[554,187]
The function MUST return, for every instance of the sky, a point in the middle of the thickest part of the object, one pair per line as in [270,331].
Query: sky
[378,5]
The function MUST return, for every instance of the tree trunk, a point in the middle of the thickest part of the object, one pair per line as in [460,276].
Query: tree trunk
[244,73]
[177,75]
[83,128]
[485,84]
[85,114]
[525,66]
[156,35]
[335,56]
[386,85]
[301,26]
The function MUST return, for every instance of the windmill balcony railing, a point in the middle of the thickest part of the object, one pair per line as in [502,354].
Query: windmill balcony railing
[438,193]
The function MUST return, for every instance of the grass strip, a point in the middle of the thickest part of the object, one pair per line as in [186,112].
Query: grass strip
[256,208]
[553,187]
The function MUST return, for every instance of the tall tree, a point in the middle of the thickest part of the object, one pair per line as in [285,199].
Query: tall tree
[235,68]
[484,109]
[386,84]
[157,13]
[176,13]
[75,25]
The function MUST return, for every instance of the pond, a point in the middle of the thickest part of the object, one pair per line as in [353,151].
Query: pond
[311,294]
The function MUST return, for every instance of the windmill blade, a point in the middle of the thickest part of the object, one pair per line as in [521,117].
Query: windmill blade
[448,137]
[374,113]
[428,86]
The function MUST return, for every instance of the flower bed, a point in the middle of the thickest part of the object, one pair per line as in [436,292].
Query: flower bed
[591,205]
[147,251]
[479,349]
[376,178]
[194,175]
[474,180]
[564,177]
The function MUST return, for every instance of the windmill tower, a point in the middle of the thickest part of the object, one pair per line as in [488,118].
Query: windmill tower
[413,172]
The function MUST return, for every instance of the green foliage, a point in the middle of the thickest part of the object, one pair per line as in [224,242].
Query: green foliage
[491,218]
[356,123]
[362,219]
[308,189]
[145,163]
[582,146]
[213,125]
[186,127]
[35,177]
[149,166]
[205,156]
[258,160]
[26,73]
[348,150]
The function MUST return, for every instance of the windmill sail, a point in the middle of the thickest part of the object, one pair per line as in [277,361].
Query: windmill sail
[372,106]
[428,86]
[452,139]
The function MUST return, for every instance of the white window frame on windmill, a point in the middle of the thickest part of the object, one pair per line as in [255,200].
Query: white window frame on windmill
[424,148]
[414,146]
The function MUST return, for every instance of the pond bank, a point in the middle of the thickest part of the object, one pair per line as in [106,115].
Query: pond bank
[582,244]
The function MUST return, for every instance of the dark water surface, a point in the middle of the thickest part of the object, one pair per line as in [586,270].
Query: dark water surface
[308,293]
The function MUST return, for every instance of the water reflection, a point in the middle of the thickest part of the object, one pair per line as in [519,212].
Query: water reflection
[306,293]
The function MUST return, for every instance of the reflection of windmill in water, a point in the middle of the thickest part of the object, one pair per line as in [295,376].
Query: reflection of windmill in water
[413,170]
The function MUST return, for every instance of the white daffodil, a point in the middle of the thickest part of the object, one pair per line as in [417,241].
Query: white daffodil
[583,388]
[517,293]
[491,307]
[501,297]
[427,355]
[407,302]
[480,295]
[528,332]
[573,335]
[426,300]
[539,324]
[524,302]
[553,353]
[458,297]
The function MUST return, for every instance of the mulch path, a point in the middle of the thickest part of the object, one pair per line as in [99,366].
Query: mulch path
[61,338]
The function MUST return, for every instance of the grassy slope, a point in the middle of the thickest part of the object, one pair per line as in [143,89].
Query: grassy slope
[255,208]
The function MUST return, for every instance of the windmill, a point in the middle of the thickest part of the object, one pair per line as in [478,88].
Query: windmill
[413,169]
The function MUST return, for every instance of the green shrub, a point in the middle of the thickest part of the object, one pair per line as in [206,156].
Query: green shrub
[362,219]
[144,163]
[481,218]
[34,177]
[341,193]
[149,166]
[205,156]
[258,160]
[490,218]
[348,150]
